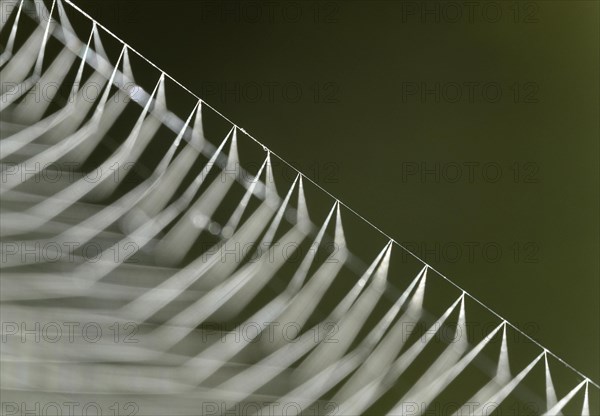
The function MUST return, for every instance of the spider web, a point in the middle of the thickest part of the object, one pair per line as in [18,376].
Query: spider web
[159,260]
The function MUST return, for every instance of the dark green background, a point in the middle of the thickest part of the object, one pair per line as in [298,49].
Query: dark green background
[357,134]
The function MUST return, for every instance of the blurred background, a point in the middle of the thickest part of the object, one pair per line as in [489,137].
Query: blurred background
[468,131]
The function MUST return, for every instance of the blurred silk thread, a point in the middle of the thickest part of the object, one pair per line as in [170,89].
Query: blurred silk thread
[143,266]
